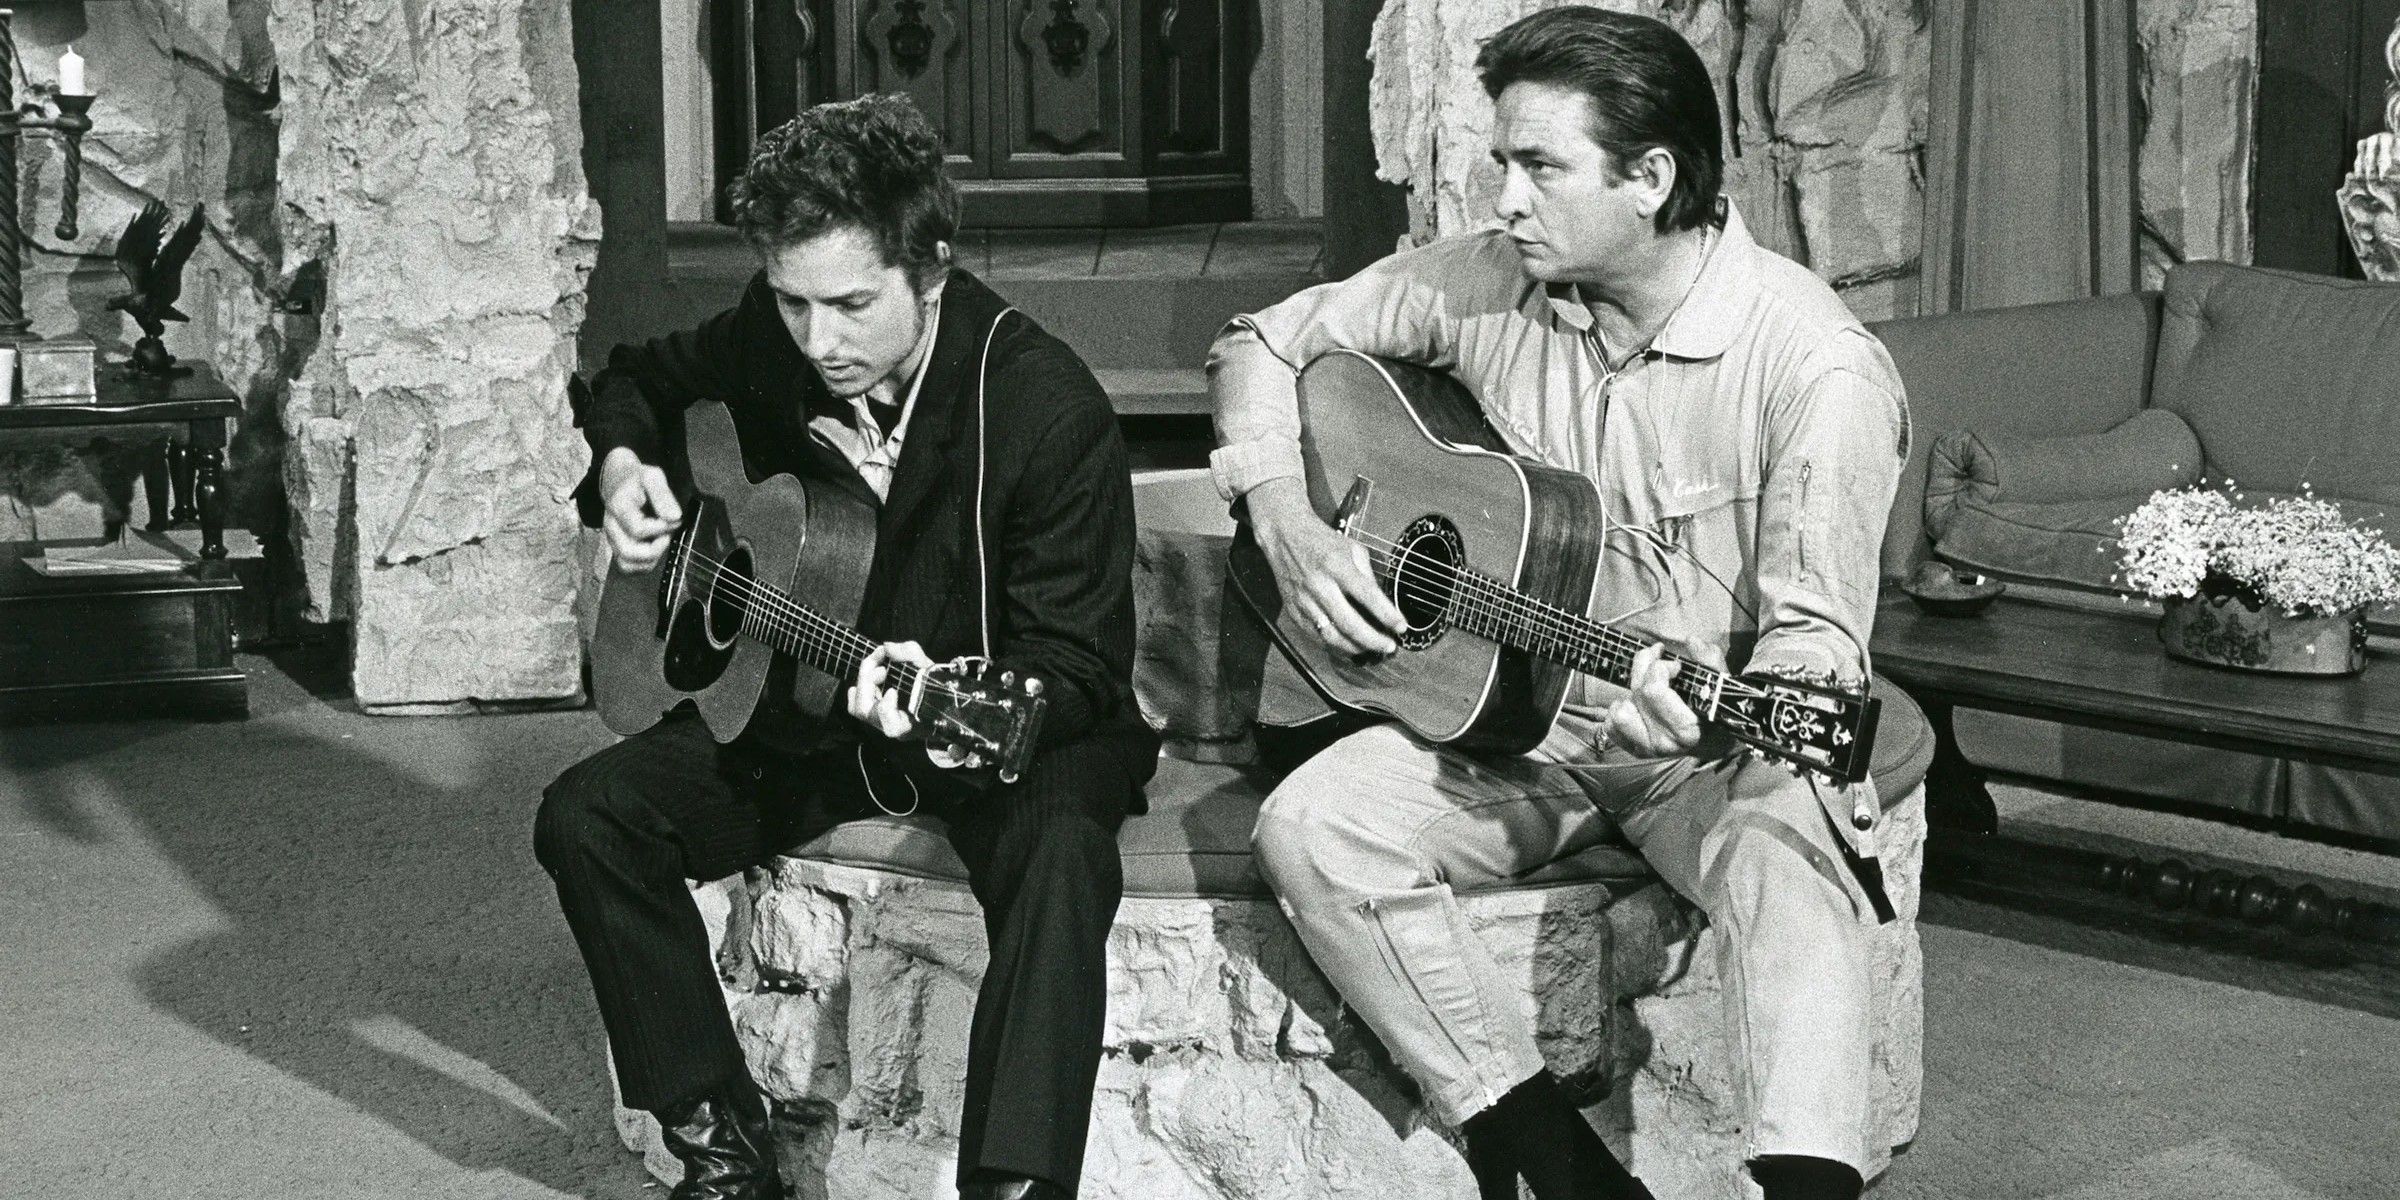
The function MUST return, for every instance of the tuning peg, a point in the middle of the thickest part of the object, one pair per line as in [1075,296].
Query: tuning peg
[1033,686]
[1007,678]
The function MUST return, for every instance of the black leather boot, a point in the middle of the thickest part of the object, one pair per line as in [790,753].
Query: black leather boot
[725,1149]
[1535,1132]
[987,1185]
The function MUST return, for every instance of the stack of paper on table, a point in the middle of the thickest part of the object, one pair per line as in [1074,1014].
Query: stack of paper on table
[132,553]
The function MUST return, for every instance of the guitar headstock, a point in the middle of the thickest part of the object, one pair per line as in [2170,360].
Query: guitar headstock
[976,718]
[1821,730]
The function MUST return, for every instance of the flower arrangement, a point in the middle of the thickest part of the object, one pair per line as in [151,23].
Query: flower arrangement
[2295,553]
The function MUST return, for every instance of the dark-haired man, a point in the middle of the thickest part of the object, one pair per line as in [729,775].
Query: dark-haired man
[861,359]
[1746,434]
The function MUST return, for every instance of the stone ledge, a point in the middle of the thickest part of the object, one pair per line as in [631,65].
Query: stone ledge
[1231,1072]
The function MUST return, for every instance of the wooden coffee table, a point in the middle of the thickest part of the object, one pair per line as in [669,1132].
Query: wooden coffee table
[2106,670]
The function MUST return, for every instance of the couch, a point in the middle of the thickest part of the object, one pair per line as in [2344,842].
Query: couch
[2037,427]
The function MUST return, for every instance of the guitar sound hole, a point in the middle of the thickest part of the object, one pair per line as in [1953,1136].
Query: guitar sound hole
[1425,575]
[729,597]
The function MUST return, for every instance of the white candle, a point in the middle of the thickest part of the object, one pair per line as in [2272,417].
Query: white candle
[70,74]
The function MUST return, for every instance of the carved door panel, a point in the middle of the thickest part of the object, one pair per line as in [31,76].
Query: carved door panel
[926,49]
[1062,66]
[1195,60]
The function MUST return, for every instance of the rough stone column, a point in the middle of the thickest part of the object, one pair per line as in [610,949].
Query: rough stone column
[2199,84]
[430,163]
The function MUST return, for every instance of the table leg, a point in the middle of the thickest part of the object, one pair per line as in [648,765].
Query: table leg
[211,489]
[179,469]
[154,487]
[1956,800]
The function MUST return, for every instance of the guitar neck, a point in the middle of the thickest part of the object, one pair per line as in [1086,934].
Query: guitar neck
[1495,612]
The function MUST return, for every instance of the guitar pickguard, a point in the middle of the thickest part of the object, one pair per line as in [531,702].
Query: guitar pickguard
[698,645]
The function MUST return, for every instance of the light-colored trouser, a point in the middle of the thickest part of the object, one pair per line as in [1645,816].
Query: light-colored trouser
[1365,842]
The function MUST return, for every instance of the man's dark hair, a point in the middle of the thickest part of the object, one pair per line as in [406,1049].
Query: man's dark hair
[873,162]
[1647,86]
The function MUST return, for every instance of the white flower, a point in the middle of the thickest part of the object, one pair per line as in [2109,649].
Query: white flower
[2295,552]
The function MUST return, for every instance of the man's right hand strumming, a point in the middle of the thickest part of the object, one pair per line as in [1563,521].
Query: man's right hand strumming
[1327,579]
[639,507]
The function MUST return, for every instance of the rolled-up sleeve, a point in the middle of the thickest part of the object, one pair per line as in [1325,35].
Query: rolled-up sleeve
[1835,445]
[1391,310]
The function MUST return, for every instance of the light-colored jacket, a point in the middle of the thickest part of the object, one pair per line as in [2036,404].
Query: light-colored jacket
[1746,461]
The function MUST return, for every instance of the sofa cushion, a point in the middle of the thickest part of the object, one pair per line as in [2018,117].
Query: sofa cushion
[2046,509]
[2078,366]
[1195,840]
[2144,453]
[2072,543]
[2287,378]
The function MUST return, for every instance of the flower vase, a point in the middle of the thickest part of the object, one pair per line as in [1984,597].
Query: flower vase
[2226,631]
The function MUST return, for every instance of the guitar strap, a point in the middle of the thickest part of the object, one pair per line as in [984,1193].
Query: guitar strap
[983,564]
[983,570]
[1868,869]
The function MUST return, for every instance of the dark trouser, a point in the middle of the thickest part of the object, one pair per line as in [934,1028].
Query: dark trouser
[621,831]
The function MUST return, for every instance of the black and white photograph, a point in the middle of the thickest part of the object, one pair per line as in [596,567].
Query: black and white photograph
[1200,599]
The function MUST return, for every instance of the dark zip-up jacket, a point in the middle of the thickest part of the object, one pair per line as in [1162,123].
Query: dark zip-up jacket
[1057,497]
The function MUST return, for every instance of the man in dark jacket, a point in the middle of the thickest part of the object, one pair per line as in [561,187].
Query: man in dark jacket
[860,359]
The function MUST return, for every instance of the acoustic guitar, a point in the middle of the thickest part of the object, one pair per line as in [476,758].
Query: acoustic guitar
[761,585]
[1492,560]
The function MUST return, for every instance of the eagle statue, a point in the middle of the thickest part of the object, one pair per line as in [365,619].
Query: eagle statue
[152,262]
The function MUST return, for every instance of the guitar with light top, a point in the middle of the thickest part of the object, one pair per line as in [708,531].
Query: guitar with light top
[1493,561]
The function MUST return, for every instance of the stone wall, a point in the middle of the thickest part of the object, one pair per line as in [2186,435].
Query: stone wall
[1825,107]
[2196,71]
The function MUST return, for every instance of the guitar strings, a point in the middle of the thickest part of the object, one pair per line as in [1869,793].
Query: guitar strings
[806,625]
[811,629]
[800,624]
[1500,602]
[1488,597]
[830,640]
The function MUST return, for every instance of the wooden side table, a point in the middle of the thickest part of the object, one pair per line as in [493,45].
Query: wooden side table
[95,647]
[194,462]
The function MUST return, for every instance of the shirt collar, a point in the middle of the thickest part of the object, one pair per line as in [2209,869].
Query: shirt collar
[1705,324]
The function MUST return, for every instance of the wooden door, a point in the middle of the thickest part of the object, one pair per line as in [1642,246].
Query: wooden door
[1194,54]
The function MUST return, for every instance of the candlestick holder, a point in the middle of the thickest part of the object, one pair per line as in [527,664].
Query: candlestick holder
[71,121]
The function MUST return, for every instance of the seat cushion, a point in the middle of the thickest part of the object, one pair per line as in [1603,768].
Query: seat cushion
[1195,840]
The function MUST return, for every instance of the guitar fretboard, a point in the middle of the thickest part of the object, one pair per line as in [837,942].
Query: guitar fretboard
[772,616]
[1492,610]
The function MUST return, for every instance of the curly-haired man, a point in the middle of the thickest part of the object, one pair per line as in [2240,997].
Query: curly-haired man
[861,358]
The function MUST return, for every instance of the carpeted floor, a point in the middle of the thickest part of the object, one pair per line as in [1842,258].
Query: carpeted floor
[309,955]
